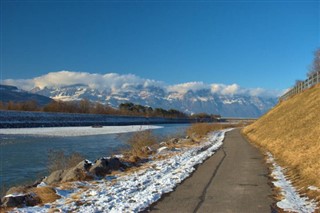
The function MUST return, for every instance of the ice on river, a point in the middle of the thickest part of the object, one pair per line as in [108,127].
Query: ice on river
[76,131]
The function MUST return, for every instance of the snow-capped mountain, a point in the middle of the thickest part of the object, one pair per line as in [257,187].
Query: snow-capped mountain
[203,100]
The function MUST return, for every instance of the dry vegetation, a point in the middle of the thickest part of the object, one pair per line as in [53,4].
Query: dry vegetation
[139,144]
[291,132]
[58,160]
[199,130]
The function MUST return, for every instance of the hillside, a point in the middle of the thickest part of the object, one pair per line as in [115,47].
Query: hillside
[291,132]
[12,93]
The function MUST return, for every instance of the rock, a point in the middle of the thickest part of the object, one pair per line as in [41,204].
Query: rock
[54,177]
[20,200]
[37,182]
[17,190]
[77,173]
[115,164]
[13,201]
[100,167]
[174,140]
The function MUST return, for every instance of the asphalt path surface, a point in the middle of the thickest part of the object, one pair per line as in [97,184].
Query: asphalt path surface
[234,179]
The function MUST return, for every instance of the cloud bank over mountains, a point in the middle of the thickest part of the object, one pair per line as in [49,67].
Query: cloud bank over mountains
[114,82]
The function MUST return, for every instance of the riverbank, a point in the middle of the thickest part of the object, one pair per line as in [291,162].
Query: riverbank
[24,157]
[19,119]
[136,188]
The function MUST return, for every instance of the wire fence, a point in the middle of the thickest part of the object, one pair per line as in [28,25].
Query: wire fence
[302,85]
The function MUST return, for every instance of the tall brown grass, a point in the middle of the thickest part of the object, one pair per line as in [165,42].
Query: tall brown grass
[199,130]
[291,132]
[58,160]
[139,141]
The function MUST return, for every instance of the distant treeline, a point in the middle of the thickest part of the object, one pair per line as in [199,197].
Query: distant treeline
[88,107]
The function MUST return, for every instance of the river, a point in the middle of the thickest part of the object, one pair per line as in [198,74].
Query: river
[25,157]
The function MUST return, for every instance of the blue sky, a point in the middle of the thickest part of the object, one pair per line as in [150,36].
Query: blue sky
[254,44]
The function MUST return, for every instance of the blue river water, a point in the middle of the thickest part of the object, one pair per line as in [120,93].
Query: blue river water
[25,158]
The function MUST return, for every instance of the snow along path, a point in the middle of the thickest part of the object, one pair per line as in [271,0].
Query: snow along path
[76,131]
[136,191]
[291,200]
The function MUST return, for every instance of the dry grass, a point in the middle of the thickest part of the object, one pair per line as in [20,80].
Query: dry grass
[291,132]
[46,194]
[139,142]
[199,130]
[58,160]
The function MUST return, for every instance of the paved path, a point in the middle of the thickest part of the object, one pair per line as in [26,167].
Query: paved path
[233,180]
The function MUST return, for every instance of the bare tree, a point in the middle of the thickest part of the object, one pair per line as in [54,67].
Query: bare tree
[315,67]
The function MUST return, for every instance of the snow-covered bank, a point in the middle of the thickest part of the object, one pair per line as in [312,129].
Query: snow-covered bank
[135,191]
[76,131]
[291,200]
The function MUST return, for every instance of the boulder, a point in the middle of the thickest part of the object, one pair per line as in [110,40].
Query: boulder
[104,166]
[115,164]
[37,182]
[77,173]
[54,177]
[20,200]
[100,167]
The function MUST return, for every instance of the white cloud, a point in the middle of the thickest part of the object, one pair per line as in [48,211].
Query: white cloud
[185,87]
[25,84]
[115,82]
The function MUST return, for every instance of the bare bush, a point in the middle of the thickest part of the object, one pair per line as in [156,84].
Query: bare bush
[139,142]
[58,160]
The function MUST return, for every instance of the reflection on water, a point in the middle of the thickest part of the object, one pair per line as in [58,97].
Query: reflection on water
[24,158]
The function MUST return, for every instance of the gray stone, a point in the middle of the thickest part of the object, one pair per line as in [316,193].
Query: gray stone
[20,200]
[54,177]
[77,173]
[100,167]
[115,164]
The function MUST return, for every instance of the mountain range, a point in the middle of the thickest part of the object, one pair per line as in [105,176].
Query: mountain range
[113,89]
[203,100]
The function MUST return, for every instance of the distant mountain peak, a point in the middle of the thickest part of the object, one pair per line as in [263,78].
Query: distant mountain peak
[202,100]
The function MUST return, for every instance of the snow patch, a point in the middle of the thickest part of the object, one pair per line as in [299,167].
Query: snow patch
[291,201]
[313,188]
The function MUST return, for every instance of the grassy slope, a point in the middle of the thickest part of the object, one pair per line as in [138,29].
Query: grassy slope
[291,132]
